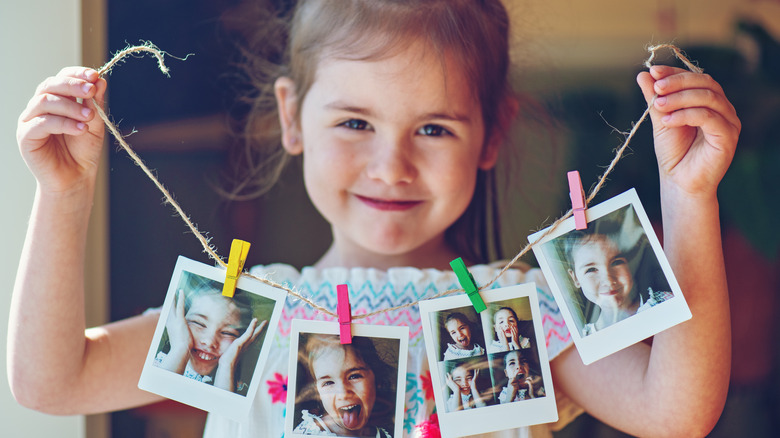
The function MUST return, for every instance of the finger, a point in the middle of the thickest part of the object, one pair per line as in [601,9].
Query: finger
[680,80]
[699,97]
[718,131]
[53,104]
[259,329]
[40,128]
[180,304]
[74,82]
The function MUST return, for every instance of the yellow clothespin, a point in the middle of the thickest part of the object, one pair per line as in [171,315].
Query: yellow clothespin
[238,252]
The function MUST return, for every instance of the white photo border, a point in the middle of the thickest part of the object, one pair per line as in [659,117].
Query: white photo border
[194,393]
[635,328]
[494,417]
[299,326]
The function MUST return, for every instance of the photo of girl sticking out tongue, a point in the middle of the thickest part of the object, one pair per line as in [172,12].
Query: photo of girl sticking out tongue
[207,334]
[346,389]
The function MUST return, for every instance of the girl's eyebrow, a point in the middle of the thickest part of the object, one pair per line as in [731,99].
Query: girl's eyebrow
[344,106]
[327,376]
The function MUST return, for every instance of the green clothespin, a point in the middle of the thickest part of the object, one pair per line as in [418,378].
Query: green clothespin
[467,282]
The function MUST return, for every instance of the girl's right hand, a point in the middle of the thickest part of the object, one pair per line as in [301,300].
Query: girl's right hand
[60,138]
[179,333]
[452,385]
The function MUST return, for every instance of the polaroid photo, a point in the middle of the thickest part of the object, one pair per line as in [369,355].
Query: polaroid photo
[489,371]
[346,390]
[612,281]
[209,350]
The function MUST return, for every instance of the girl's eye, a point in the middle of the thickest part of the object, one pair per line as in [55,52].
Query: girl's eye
[433,130]
[196,323]
[326,383]
[355,376]
[590,271]
[356,124]
[619,261]
[230,334]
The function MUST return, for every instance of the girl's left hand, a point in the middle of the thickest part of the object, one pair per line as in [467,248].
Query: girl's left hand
[227,362]
[473,382]
[695,127]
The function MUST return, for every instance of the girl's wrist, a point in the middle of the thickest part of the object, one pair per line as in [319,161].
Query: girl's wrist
[76,199]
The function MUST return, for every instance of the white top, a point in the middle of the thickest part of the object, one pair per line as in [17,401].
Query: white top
[373,289]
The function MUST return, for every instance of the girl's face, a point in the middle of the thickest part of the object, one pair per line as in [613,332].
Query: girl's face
[505,323]
[463,377]
[391,151]
[347,389]
[214,324]
[514,366]
[602,272]
[460,333]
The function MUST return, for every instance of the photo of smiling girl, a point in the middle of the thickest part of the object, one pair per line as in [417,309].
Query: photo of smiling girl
[207,334]
[346,390]
[611,265]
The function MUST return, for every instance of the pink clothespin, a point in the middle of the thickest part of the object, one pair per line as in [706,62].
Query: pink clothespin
[577,195]
[345,314]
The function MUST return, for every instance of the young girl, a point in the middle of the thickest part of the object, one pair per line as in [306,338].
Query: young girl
[521,384]
[462,382]
[351,383]
[207,334]
[459,327]
[399,109]
[601,269]
[508,337]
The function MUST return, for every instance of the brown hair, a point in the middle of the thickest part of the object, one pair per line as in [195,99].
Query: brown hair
[473,33]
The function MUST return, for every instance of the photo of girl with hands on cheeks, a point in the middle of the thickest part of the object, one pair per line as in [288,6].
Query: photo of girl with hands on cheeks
[507,333]
[208,335]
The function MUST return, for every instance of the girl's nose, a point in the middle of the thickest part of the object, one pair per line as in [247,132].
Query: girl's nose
[208,339]
[391,161]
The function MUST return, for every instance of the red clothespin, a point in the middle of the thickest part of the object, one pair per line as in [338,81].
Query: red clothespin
[238,252]
[577,195]
[345,314]
[468,284]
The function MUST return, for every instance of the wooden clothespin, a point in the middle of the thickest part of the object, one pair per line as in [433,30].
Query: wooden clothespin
[468,284]
[345,314]
[577,195]
[238,252]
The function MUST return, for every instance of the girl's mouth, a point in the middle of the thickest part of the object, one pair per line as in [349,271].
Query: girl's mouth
[388,204]
[202,355]
[350,416]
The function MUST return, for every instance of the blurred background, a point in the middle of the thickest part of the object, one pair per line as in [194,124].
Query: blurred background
[576,67]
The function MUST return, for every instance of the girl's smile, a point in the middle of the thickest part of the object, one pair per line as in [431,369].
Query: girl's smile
[388,204]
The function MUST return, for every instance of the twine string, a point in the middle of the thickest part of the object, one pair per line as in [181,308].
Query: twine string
[149,48]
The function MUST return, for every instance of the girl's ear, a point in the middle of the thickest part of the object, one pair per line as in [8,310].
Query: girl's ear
[507,113]
[287,103]
[573,278]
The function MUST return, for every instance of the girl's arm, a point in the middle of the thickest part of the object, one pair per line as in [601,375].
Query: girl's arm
[55,365]
[678,386]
